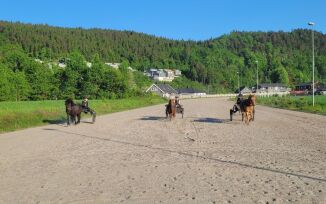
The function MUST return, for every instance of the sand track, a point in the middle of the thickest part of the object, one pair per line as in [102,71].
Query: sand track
[138,156]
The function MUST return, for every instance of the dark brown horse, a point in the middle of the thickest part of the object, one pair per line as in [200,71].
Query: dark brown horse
[170,109]
[73,111]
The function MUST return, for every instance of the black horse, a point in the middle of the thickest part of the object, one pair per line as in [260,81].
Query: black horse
[73,110]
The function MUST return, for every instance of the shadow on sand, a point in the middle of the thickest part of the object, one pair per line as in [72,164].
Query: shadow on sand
[87,122]
[56,121]
[211,120]
[152,118]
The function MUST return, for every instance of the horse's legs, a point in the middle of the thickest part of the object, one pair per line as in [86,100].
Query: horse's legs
[68,119]
[247,117]
[231,113]
[78,117]
[253,114]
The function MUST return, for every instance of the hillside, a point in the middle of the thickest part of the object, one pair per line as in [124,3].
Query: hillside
[282,56]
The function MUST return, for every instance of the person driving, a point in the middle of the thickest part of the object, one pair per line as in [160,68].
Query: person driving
[236,106]
[177,101]
[85,105]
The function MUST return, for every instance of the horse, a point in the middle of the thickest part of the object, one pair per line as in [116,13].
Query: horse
[170,109]
[73,110]
[247,108]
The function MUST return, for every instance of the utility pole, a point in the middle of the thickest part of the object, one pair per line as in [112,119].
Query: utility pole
[238,81]
[257,77]
[313,63]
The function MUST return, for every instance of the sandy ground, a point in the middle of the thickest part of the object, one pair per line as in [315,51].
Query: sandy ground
[138,156]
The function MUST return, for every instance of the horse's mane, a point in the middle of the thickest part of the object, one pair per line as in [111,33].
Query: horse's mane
[171,101]
[252,99]
[69,101]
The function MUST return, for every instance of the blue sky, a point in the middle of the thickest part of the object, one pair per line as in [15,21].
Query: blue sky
[175,19]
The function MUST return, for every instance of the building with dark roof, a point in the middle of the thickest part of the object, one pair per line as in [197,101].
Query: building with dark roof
[163,90]
[243,90]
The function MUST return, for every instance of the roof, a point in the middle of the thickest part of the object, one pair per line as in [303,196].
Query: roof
[243,89]
[272,85]
[167,88]
[305,84]
[189,90]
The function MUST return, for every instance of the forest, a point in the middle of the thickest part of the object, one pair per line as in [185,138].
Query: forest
[214,64]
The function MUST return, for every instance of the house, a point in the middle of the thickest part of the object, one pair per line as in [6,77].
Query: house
[117,65]
[39,61]
[131,69]
[191,91]
[302,89]
[62,65]
[163,90]
[304,86]
[177,73]
[169,73]
[162,74]
[89,64]
[151,72]
[113,65]
[243,90]
[272,87]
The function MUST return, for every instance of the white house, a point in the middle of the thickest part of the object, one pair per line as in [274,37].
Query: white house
[113,65]
[162,74]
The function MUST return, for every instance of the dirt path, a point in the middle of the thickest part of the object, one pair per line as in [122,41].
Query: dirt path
[139,157]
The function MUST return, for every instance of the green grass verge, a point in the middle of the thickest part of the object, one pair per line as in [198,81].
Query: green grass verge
[298,103]
[24,114]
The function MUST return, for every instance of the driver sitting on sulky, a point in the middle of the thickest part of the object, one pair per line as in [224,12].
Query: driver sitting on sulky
[177,101]
[236,106]
[85,105]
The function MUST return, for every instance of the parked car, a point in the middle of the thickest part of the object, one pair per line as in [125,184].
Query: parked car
[299,92]
[320,92]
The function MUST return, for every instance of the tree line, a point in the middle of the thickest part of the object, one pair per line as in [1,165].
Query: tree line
[283,57]
[24,78]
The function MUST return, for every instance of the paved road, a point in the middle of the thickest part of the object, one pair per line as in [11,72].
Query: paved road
[138,156]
